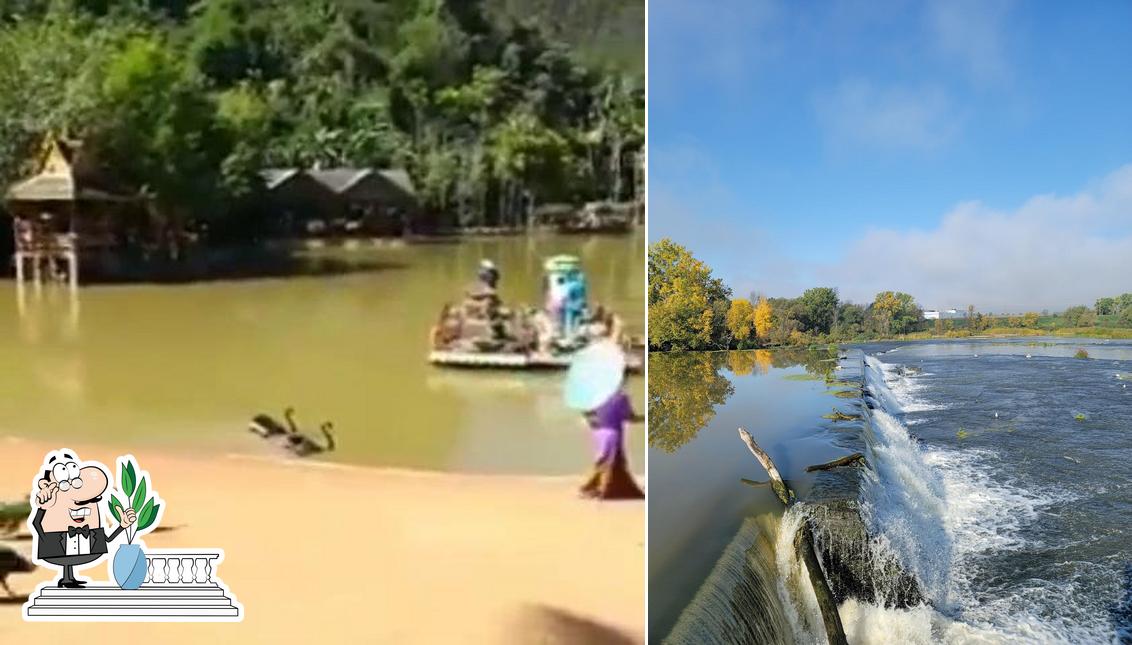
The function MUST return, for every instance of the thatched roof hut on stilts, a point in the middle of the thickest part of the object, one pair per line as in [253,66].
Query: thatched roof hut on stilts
[69,209]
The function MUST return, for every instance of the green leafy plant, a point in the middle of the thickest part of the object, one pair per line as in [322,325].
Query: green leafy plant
[1081,354]
[962,434]
[1080,416]
[134,490]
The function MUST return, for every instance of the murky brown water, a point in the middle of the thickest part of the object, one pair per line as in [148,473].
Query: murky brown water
[187,366]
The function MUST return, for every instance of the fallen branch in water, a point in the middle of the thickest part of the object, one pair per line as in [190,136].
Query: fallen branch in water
[804,546]
[836,463]
[838,415]
[784,494]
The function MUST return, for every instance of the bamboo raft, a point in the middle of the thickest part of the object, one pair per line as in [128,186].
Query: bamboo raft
[634,360]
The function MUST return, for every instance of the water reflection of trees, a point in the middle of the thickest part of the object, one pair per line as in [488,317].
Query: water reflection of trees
[820,362]
[746,363]
[683,392]
[684,389]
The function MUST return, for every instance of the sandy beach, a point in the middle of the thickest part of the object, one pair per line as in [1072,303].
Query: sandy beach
[330,553]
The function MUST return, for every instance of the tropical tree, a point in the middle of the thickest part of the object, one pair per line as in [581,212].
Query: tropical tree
[159,130]
[490,111]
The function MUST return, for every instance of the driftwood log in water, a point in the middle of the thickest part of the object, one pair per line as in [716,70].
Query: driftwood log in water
[849,460]
[838,415]
[784,494]
[804,546]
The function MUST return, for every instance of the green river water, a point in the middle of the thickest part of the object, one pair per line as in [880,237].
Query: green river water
[186,366]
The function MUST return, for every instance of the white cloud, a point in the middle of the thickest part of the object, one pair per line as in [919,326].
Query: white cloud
[970,33]
[1049,253]
[860,112]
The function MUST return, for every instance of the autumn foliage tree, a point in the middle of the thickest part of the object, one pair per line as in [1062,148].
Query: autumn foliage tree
[741,320]
[687,307]
[894,312]
[764,318]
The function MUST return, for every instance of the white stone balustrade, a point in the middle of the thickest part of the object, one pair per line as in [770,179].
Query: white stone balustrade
[181,568]
[180,585]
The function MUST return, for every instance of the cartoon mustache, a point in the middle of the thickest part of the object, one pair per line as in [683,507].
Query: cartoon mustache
[92,500]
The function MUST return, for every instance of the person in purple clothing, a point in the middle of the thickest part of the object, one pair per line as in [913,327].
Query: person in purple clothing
[610,477]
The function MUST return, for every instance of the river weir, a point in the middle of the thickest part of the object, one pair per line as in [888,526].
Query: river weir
[992,506]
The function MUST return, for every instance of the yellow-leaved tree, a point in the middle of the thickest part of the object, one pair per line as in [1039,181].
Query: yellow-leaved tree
[741,319]
[687,306]
[764,318]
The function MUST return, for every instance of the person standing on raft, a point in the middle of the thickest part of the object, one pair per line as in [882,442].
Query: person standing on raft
[488,276]
[595,386]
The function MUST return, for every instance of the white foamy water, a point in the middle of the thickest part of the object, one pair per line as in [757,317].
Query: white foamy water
[794,589]
[901,393]
[940,513]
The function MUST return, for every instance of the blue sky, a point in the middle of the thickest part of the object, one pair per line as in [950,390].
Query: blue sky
[968,152]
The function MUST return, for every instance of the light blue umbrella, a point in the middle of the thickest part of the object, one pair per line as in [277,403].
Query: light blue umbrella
[595,375]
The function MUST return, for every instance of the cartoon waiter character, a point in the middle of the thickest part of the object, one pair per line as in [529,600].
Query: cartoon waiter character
[68,522]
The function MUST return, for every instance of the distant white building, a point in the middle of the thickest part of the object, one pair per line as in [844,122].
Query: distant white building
[935,314]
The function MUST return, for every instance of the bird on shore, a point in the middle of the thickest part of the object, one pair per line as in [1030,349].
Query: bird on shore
[12,562]
[266,426]
[302,445]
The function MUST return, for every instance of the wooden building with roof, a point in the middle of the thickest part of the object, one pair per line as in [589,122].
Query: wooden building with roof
[340,201]
[69,211]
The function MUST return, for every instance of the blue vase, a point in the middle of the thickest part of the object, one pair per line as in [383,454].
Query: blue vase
[129,566]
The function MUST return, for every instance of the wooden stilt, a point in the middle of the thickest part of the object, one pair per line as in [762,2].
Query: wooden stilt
[37,271]
[19,268]
[73,314]
[21,300]
[73,269]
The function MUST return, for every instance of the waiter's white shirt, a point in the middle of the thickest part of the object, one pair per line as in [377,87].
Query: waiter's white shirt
[78,544]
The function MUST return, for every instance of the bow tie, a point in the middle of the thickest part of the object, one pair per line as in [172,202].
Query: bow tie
[84,529]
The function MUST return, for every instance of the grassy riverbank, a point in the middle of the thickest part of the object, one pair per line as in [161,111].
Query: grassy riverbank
[1009,332]
[810,342]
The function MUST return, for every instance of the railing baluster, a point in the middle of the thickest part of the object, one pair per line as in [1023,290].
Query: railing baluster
[159,571]
[186,568]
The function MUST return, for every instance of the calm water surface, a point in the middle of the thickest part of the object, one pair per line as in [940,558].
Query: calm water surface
[697,501]
[186,366]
